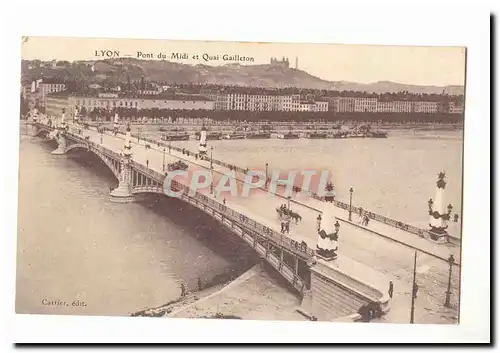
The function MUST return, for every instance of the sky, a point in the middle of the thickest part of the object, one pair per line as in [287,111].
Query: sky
[438,66]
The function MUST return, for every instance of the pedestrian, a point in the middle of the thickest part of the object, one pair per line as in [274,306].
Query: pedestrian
[200,285]
[183,290]
[367,220]
[361,219]
[147,163]
[224,201]
[288,227]
[391,289]
[282,227]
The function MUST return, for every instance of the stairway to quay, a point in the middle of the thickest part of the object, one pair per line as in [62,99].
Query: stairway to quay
[340,267]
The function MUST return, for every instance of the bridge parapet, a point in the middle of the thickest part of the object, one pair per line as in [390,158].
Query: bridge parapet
[277,238]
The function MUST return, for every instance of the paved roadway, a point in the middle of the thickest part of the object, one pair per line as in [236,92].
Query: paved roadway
[365,247]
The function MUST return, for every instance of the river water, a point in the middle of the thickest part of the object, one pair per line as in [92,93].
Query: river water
[76,245]
[394,177]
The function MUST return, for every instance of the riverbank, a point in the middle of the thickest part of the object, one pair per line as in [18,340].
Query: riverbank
[255,295]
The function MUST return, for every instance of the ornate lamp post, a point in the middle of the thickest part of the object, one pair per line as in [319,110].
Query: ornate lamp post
[328,236]
[451,261]
[351,190]
[439,215]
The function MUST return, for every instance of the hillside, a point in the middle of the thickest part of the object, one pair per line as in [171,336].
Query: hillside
[266,76]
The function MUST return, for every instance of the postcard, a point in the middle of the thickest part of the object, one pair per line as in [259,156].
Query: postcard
[244,181]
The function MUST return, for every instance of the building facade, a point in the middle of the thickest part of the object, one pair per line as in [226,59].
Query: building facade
[54,105]
[36,92]
[109,101]
[265,102]
[344,104]
[425,107]
[365,105]
[454,108]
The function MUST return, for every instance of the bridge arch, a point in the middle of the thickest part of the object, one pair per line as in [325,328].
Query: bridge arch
[110,163]
[40,131]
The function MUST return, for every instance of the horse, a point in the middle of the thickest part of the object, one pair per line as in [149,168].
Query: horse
[296,217]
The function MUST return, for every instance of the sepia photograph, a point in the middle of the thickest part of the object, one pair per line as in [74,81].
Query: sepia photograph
[239,180]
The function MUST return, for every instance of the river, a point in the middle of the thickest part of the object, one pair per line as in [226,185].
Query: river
[394,177]
[76,245]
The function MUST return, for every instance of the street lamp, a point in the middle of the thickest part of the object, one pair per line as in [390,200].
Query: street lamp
[289,198]
[267,165]
[451,261]
[211,157]
[211,179]
[337,227]
[163,158]
[138,133]
[99,128]
[351,190]
[318,222]
[414,290]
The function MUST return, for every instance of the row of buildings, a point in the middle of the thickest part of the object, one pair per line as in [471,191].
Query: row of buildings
[374,105]
[262,102]
[53,95]
[296,103]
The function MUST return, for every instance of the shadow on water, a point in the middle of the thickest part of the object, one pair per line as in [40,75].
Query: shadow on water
[193,222]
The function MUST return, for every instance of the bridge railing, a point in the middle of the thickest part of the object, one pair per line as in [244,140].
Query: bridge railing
[159,177]
[382,219]
[274,236]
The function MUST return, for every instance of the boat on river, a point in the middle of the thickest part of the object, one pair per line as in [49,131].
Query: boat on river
[259,135]
[316,135]
[175,137]
[233,136]
[288,136]
[210,135]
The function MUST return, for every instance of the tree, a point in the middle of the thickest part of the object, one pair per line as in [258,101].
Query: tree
[24,106]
